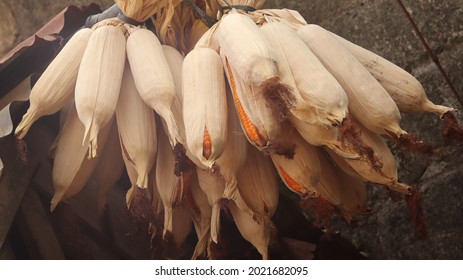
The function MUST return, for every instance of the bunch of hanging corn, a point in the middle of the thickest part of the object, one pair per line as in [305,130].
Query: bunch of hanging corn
[209,122]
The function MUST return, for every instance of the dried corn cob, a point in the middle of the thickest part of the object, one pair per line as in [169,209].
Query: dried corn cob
[56,86]
[405,89]
[152,75]
[247,49]
[71,170]
[99,81]
[204,105]
[315,85]
[368,101]
[137,129]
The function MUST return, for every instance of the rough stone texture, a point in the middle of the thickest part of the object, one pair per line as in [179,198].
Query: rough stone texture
[380,26]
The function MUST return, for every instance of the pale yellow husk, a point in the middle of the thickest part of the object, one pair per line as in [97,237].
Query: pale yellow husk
[302,173]
[368,100]
[55,87]
[317,88]
[256,230]
[99,81]
[258,184]
[170,186]
[213,185]
[137,129]
[252,110]
[406,90]
[385,172]
[204,105]
[235,152]
[152,75]
[246,48]
[71,168]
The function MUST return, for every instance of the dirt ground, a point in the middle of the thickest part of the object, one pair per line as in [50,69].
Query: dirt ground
[380,26]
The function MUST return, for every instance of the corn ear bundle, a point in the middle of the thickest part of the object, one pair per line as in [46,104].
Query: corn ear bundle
[315,85]
[55,86]
[368,100]
[99,81]
[407,92]
[152,76]
[137,129]
[204,105]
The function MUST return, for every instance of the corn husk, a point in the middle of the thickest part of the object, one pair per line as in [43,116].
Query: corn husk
[302,173]
[368,100]
[380,167]
[170,186]
[258,184]
[246,49]
[259,122]
[405,90]
[71,168]
[137,129]
[97,90]
[204,105]
[213,185]
[256,230]
[235,152]
[316,87]
[152,76]
[55,87]
[181,225]
[201,213]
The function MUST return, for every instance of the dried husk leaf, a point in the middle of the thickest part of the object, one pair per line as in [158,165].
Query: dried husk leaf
[71,168]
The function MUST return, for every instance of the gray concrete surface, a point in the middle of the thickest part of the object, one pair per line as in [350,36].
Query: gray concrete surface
[380,26]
